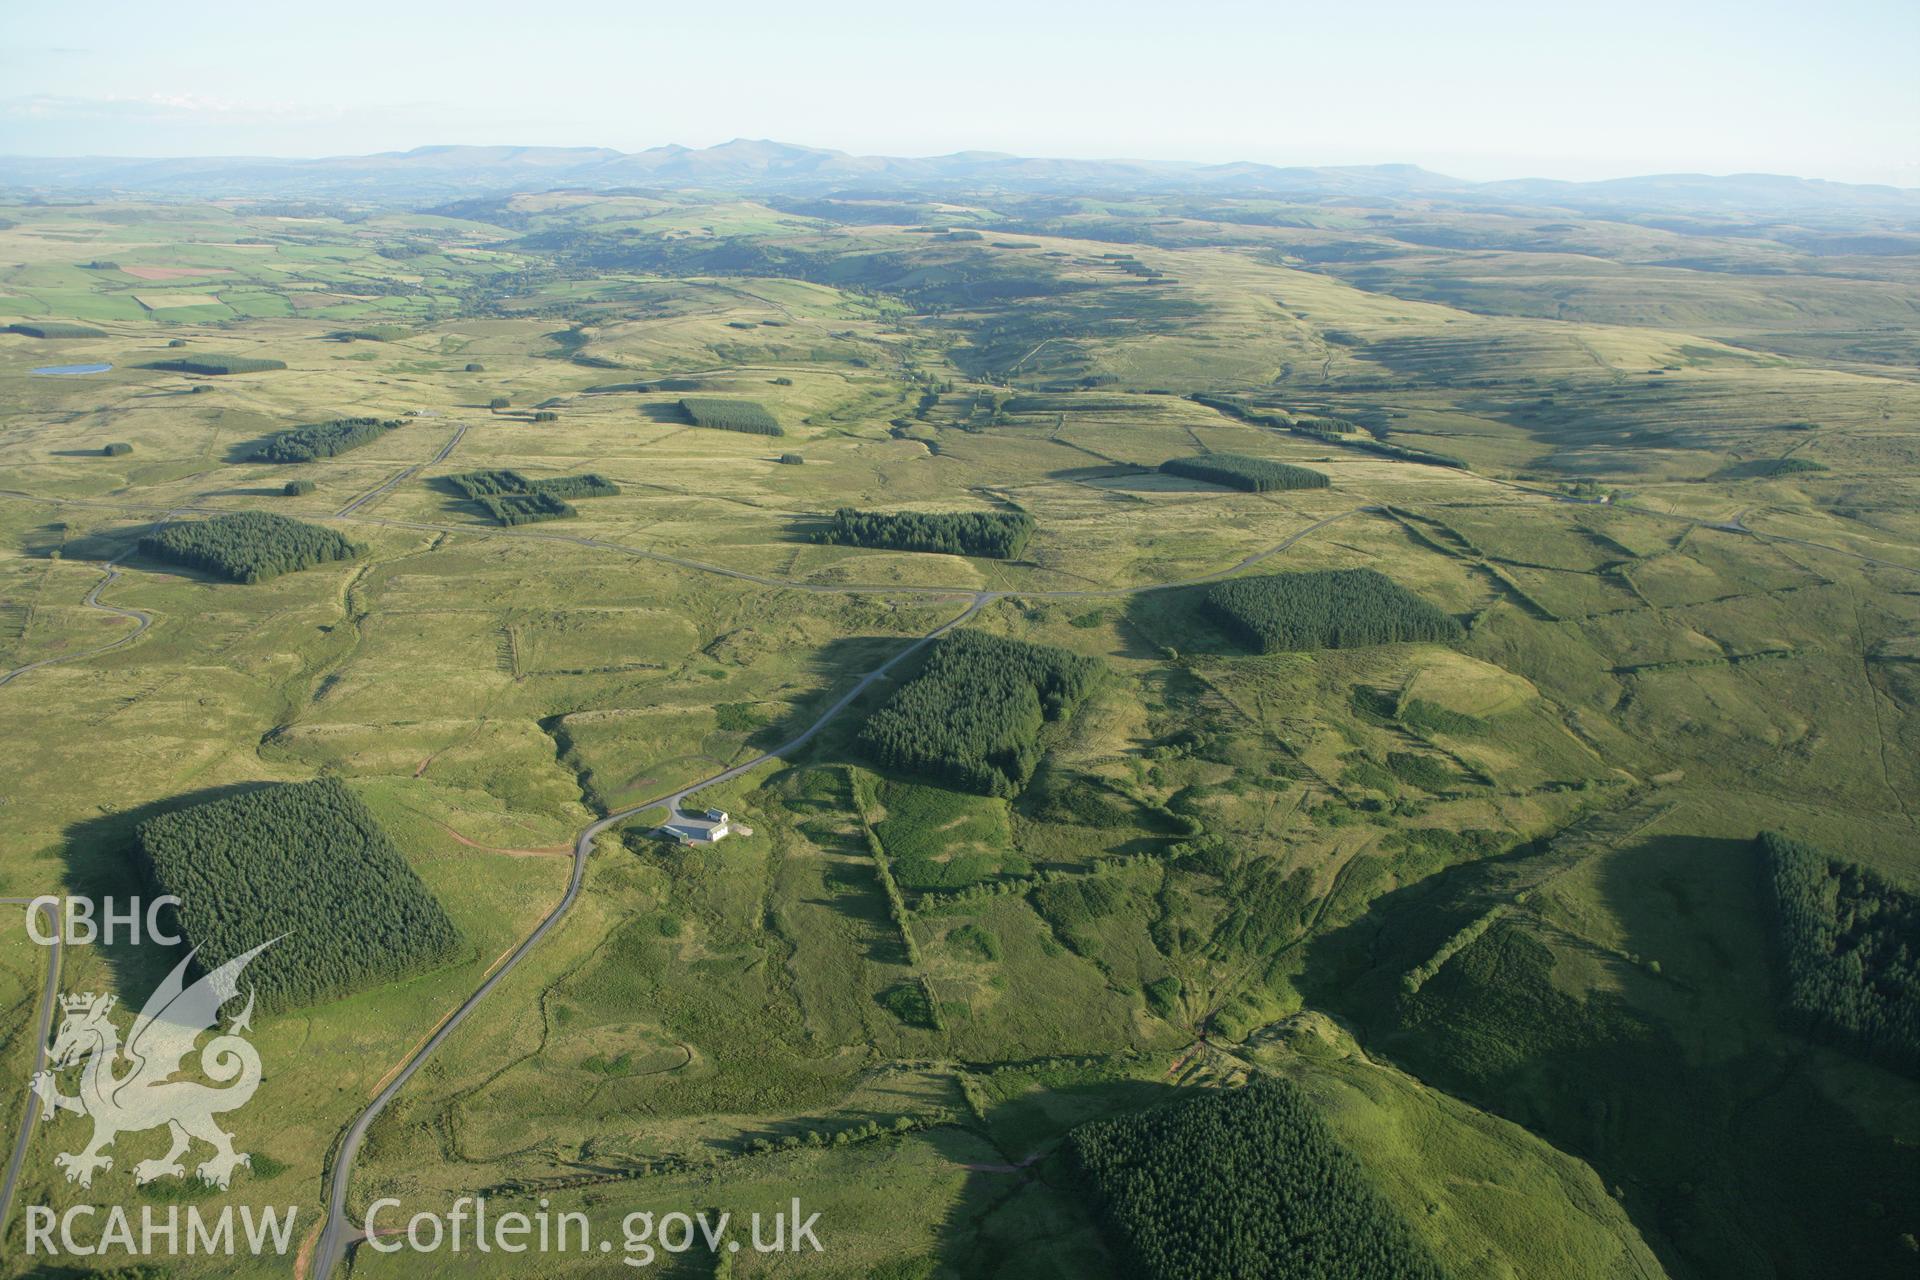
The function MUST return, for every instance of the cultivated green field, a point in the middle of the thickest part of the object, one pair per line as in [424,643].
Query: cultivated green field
[1491,902]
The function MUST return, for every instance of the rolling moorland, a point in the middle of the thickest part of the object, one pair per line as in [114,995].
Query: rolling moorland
[1547,888]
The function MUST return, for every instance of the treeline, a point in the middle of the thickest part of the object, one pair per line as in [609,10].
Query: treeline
[1849,951]
[214,366]
[972,717]
[483,484]
[1385,448]
[247,546]
[749,416]
[322,439]
[490,483]
[55,329]
[1328,609]
[1767,468]
[1238,471]
[861,788]
[1243,1182]
[305,863]
[999,535]
[590,485]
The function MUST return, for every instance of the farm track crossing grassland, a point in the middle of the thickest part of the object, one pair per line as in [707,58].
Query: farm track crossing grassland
[1475,874]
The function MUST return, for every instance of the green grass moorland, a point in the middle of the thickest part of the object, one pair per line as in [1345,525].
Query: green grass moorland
[1484,888]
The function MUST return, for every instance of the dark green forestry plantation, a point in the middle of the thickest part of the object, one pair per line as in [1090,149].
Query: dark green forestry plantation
[305,863]
[499,483]
[483,484]
[322,439]
[247,546]
[1151,627]
[1849,952]
[217,366]
[55,329]
[972,717]
[581,486]
[998,535]
[724,414]
[1329,609]
[1237,471]
[526,508]
[1242,1182]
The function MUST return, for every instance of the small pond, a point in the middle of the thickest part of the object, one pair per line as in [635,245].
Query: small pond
[69,370]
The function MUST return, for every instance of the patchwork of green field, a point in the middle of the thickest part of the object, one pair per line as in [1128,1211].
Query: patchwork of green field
[1509,851]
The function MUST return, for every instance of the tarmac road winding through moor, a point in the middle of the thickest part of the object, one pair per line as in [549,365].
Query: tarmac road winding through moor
[141,621]
[338,1234]
[45,1028]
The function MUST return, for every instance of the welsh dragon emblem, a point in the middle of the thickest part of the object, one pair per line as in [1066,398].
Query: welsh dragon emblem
[131,1088]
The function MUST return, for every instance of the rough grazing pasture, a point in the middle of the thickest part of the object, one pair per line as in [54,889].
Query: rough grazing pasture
[1665,602]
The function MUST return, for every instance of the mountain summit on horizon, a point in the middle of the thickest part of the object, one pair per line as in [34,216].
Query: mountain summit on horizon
[440,171]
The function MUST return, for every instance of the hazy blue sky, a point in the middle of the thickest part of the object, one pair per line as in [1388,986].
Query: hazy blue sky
[1478,88]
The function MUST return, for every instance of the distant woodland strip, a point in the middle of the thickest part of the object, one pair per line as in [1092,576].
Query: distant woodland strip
[1237,471]
[482,484]
[214,366]
[55,329]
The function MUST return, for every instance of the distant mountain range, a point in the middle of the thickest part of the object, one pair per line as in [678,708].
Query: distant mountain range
[427,174]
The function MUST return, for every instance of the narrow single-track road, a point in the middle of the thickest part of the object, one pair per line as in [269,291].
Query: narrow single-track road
[47,994]
[338,1234]
[141,621]
[405,474]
